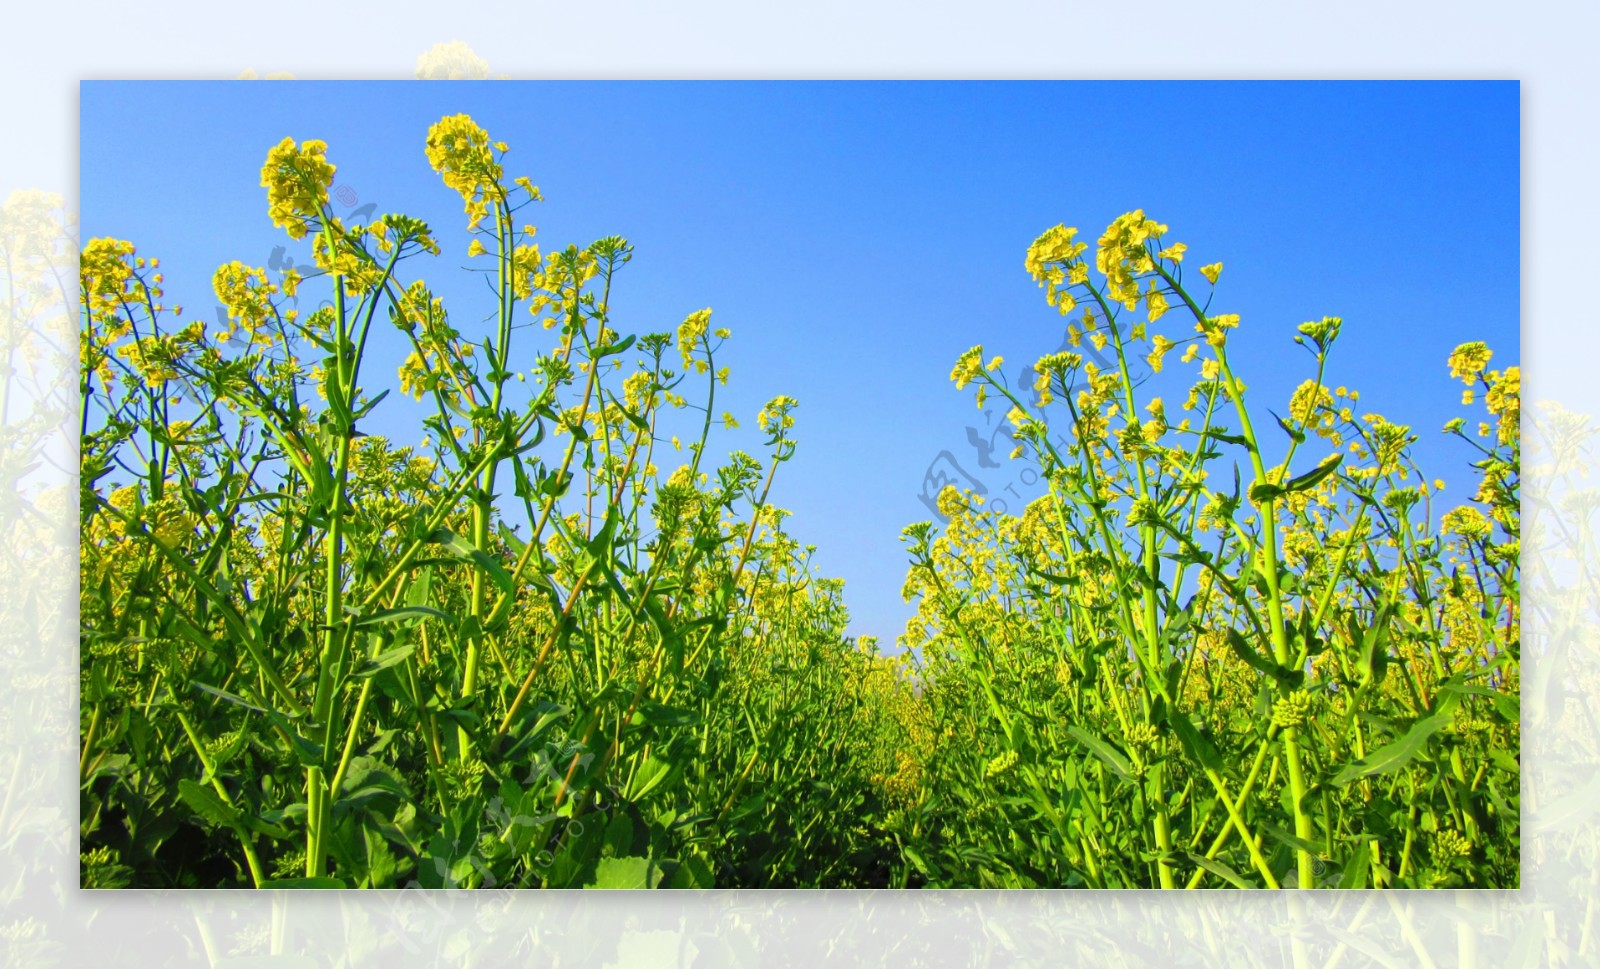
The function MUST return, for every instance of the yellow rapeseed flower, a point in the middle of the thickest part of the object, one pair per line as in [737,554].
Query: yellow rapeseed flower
[1155,302]
[690,331]
[968,366]
[1466,522]
[1054,245]
[1307,399]
[1468,360]
[1504,400]
[775,417]
[1158,351]
[297,178]
[459,151]
[245,292]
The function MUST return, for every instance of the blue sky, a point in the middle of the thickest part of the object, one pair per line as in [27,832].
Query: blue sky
[858,237]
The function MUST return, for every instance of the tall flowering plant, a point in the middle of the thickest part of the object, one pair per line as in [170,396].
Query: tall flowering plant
[1221,647]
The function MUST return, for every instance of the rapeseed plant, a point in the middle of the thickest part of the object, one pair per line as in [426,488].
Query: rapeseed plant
[529,651]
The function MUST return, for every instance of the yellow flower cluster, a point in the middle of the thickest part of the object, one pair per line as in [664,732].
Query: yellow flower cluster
[104,271]
[297,179]
[1216,328]
[905,783]
[1143,511]
[245,292]
[1504,401]
[1309,398]
[459,151]
[636,391]
[968,366]
[155,358]
[681,477]
[1050,366]
[1140,736]
[691,331]
[1388,441]
[525,262]
[1053,260]
[1159,346]
[349,264]
[775,418]
[1122,255]
[420,308]
[391,230]
[1466,522]
[1322,332]
[1468,361]
[951,502]
[1450,845]
[1000,764]
[1155,301]
[1291,711]
[166,518]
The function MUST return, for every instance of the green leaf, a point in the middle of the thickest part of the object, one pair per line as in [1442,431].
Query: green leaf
[421,590]
[1241,648]
[1505,761]
[648,777]
[1263,492]
[1116,760]
[1222,869]
[307,753]
[513,541]
[203,801]
[629,872]
[383,661]
[1310,479]
[660,715]
[1509,706]
[230,698]
[1355,871]
[600,546]
[1298,436]
[399,613]
[1396,754]
[1374,653]
[692,873]
[555,485]
[1198,746]
[367,407]
[618,839]
[616,348]
[465,551]
[1292,841]
[262,826]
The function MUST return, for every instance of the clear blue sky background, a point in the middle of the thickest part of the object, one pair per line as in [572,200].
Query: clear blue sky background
[857,237]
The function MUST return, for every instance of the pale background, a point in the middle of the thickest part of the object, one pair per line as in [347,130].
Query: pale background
[46,920]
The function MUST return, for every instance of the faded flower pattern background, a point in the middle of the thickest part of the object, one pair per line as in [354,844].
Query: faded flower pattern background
[46,920]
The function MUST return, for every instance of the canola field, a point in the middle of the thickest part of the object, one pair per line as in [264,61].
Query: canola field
[552,640]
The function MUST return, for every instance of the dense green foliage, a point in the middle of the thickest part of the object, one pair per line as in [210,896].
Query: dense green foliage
[519,653]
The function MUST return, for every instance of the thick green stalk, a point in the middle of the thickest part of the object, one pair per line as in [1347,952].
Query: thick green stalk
[1274,597]
[341,392]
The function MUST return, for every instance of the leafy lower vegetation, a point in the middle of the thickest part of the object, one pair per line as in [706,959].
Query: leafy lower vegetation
[518,653]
